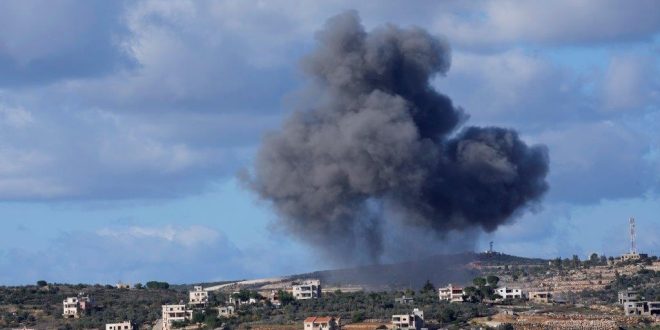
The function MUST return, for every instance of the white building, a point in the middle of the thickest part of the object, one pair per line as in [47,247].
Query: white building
[308,289]
[451,293]
[175,313]
[321,323]
[126,325]
[226,311]
[121,285]
[70,306]
[509,293]
[198,297]
[408,321]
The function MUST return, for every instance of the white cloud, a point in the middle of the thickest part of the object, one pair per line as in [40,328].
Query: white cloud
[15,117]
[177,254]
[515,88]
[190,237]
[497,24]
[597,160]
[632,82]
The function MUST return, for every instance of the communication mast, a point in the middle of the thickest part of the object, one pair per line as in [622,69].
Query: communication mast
[633,248]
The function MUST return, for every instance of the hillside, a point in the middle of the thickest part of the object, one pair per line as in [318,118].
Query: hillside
[458,268]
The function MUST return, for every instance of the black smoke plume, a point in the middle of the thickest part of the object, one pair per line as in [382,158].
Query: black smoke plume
[373,136]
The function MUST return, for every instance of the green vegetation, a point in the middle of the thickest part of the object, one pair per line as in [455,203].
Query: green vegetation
[158,285]
[42,305]
[646,282]
[355,307]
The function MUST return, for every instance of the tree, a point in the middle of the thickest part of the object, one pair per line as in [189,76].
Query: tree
[158,285]
[357,317]
[285,297]
[198,317]
[472,294]
[447,315]
[492,280]
[479,281]
[42,283]
[557,262]
[576,261]
[428,287]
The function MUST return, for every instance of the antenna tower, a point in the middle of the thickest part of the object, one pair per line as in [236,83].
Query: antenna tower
[633,248]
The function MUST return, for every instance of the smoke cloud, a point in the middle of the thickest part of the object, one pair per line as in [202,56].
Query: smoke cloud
[373,137]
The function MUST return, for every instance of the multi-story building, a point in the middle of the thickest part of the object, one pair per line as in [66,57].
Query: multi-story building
[126,325]
[198,298]
[451,293]
[70,306]
[540,296]
[645,308]
[408,321]
[628,295]
[226,311]
[76,306]
[509,293]
[174,313]
[322,323]
[308,289]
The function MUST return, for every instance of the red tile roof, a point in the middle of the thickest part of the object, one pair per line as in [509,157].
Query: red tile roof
[317,319]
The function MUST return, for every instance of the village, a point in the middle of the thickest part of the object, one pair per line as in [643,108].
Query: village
[516,303]
[595,293]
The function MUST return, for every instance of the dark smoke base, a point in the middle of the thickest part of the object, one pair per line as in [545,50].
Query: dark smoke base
[378,137]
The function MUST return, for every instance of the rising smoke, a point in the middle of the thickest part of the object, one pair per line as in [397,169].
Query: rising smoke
[373,137]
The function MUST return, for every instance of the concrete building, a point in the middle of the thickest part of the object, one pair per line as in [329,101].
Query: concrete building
[174,313]
[308,289]
[121,285]
[633,256]
[404,300]
[71,308]
[198,298]
[76,306]
[226,311]
[540,296]
[509,293]
[408,321]
[451,293]
[321,323]
[642,308]
[126,325]
[628,295]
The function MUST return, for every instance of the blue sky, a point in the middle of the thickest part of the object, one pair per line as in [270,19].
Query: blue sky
[123,126]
